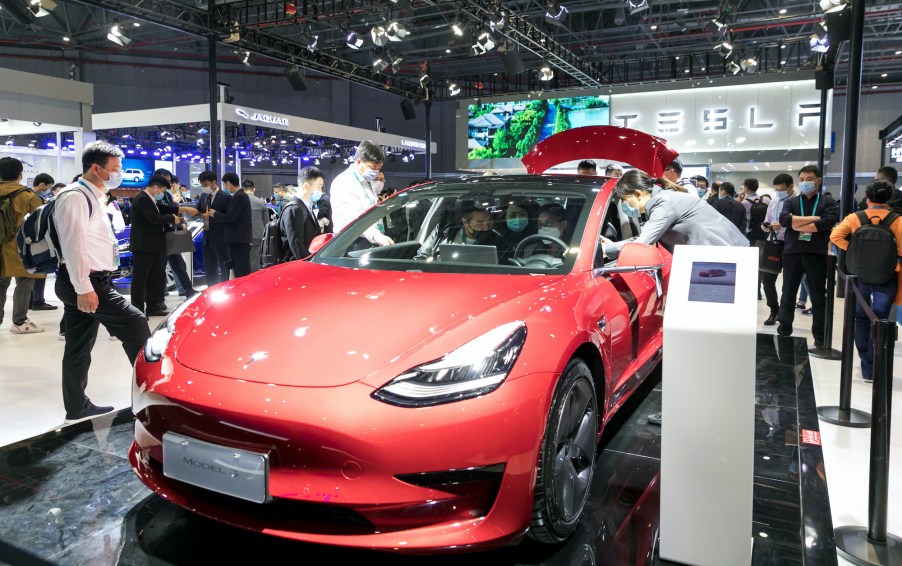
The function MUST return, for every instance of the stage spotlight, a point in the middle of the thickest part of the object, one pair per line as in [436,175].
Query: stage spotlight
[42,8]
[310,40]
[733,68]
[636,6]
[556,14]
[353,40]
[724,48]
[715,25]
[453,89]
[497,19]
[458,28]
[832,5]
[245,57]
[818,44]
[396,63]
[546,73]
[18,11]
[116,35]
[749,65]
[378,35]
[484,43]
[396,31]
[380,64]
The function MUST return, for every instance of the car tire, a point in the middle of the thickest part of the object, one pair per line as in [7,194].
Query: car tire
[567,456]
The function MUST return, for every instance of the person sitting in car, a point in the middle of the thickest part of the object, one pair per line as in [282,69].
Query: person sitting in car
[552,222]
[519,221]
[475,227]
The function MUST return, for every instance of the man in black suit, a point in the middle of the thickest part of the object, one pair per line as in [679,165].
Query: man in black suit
[236,224]
[731,208]
[169,205]
[148,225]
[216,252]
[298,220]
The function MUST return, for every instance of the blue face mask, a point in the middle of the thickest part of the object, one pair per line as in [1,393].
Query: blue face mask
[517,224]
[629,210]
[158,197]
[701,192]
[316,195]
[807,187]
[782,195]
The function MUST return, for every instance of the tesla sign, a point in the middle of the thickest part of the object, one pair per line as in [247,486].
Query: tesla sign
[260,117]
[895,155]
[777,116]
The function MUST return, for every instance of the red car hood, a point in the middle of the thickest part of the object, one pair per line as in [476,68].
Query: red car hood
[313,325]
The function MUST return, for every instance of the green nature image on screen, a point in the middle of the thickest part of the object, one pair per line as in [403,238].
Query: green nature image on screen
[511,129]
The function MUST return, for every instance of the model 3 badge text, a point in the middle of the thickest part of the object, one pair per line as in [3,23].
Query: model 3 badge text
[204,466]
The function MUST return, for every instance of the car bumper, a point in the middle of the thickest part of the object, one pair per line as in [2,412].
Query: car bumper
[348,470]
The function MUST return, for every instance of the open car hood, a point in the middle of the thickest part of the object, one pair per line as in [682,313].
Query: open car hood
[648,153]
[313,325]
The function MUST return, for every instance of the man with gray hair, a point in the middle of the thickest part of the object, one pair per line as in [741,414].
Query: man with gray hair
[353,194]
[89,255]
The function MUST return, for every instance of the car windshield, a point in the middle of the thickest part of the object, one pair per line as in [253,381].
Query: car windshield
[517,225]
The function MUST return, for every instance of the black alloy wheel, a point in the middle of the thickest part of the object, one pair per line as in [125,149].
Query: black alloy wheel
[567,457]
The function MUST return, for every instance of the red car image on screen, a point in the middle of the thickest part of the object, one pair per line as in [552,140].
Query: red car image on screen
[412,397]
[713,273]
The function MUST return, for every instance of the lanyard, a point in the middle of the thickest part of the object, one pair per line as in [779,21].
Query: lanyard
[109,226]
[817,199]
[367,189]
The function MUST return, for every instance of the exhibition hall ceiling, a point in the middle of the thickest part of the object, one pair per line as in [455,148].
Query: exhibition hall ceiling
[442,49]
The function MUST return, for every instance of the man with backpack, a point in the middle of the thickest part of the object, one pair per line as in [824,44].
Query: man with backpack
[755,210]
[872,239]
[16,201]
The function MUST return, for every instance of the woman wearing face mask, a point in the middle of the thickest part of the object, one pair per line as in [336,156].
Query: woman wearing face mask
[475,227]
[519,222]
[552,222]
[673,216]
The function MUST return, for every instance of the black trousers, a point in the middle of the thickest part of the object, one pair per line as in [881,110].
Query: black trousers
[241,259]
[180,272]
[156,294]
[147,280]
[37,292]
[814,267]
[769,282]
[121,319]
[216,264]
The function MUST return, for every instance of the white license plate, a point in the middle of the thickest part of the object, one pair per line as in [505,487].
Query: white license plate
[229,471]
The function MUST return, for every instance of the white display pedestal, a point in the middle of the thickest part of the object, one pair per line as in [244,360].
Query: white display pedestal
[708,406]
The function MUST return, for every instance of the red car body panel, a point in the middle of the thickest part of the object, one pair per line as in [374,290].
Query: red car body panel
[641,150]
[324,338]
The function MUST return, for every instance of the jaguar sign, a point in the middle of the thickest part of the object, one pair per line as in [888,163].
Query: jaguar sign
[262,118]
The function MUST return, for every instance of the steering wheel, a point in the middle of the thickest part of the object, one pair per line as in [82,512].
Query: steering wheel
[522,243]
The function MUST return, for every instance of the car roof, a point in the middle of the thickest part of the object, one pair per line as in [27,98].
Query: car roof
[585,184]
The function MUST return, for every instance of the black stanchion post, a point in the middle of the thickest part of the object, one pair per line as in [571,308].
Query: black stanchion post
[874,545]
[827,352]
[844,414]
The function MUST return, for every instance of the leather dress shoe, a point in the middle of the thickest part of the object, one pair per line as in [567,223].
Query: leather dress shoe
[771,320]
[43,307]
[158,312]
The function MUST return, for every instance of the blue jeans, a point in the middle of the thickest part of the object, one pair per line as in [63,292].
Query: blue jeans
[880,297]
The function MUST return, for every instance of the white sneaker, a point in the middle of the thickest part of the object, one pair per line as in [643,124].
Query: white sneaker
[26,327]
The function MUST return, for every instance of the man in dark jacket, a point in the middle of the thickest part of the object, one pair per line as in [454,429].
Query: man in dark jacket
[298,221]
[147,233]
[216,252]
[730,207]
[236,224]
[169,205]
[808,219]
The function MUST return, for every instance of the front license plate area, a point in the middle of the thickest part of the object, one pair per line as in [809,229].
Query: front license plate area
[225,470]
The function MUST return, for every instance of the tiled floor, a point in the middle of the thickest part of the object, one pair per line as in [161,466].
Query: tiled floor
[30,404]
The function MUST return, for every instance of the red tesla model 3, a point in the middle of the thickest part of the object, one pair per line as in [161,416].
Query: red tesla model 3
[443,393]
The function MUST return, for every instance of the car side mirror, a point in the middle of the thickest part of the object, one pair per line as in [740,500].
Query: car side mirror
[637,257]
[319,241]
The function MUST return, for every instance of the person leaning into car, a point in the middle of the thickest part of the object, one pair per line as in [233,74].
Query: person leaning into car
[237,225]
[147,239]
[673,215]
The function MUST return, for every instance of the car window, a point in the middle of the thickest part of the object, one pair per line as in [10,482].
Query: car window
[513,228]
[616,227]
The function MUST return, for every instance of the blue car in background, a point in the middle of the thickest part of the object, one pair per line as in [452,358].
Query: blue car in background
[122,277]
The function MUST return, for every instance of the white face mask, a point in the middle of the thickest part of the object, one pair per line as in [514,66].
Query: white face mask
[549,231]
[114,181]
[377,185]
[207,190]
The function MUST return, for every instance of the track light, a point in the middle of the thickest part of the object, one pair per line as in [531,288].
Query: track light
[453,89]
[749,65]
[556,14]
[636,6]
[396,31]
[818,44]
[733,68]
[546,73]
[353,40]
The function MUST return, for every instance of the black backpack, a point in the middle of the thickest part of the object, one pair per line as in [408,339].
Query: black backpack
[757,214]
[272,251]
[872,253]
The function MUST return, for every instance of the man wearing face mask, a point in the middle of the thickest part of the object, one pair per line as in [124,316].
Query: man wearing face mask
[353,193]
[147,239]
[89,253]
[783,189]
[237,224]
[322,209]
[473,228]
[298,223]
[808,219]
[216,253]
[41,187]
[260,215]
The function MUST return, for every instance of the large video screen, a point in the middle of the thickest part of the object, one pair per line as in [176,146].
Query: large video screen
[508,130]
[136,172]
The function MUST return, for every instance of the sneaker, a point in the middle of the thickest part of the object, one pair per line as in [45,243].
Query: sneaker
[89,413]
[26,327]
[44,307]
[806,311]
[867,379]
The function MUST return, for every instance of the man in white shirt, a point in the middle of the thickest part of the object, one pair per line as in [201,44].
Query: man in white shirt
[90,253]
[353,194]
[674,172]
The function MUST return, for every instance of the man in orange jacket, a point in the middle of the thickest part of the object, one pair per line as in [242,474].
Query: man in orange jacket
[880,296]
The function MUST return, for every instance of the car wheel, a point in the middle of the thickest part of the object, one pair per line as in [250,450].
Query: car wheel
[567,457]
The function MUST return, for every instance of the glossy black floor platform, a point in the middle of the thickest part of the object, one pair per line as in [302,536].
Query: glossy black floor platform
[69,496]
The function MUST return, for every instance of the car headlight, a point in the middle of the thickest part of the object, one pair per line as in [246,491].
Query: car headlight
[474,369]
[156,344]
